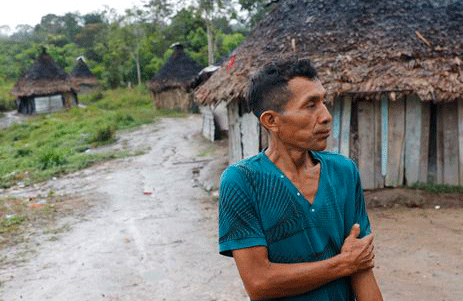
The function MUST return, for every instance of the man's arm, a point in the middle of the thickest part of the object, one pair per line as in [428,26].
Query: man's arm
[365,286]
[264,279]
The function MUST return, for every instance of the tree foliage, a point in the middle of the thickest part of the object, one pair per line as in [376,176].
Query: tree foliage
[128,48]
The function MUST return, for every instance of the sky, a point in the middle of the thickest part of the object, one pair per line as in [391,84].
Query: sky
[31,11]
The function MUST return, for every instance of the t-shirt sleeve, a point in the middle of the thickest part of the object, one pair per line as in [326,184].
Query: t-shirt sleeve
[239,222]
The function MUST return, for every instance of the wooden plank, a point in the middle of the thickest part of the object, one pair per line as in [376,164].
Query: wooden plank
[413,114]
[250,135]
[234,133]
[451,152]
[379,178]
[333,141]
[460,139]
[396,134]
[345,126]
[384,133]
[366,138]
[439,145]
[208,126]
[424,145]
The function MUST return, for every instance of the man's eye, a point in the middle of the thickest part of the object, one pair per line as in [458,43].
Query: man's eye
[310,105]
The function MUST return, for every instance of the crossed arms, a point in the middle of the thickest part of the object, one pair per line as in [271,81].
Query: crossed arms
[264,279]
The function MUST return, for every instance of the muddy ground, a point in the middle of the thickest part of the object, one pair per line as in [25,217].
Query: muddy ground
[144,228]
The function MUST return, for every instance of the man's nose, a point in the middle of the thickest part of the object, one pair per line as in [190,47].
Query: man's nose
[325,116]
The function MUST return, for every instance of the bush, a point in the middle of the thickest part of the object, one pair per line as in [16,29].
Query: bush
[51,158]
[104,134]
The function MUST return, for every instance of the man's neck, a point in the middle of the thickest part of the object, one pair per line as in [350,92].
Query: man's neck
[289,159]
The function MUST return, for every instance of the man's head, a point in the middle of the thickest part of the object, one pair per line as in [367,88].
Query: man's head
[269,87]
[289,100]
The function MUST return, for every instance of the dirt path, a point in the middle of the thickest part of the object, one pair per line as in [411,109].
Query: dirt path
[132,245]
[151,234]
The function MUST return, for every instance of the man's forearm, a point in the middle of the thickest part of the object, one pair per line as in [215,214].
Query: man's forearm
[365,286]
[276,280]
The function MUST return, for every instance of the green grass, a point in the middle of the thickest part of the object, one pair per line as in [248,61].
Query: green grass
[52,144]
[438,188]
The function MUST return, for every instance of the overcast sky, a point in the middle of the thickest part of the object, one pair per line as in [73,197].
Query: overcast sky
[15,12]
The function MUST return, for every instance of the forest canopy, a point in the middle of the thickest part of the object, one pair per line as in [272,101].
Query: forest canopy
[130,48]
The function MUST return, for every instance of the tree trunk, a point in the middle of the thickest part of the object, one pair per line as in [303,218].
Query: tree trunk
[210,45]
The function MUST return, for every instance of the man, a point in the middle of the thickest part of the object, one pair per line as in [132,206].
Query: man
[293,217]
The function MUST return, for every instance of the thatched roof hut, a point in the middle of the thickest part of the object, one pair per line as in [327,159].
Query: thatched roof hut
[82,78]
[393,68]
[361,46]
[44,79]
[170,87]
[178,72]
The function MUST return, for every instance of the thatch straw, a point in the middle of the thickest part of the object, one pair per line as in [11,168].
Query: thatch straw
[364,47]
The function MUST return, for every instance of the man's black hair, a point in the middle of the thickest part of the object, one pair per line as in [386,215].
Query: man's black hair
[269,87]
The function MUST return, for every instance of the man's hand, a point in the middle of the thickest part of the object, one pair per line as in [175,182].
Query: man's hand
[358,252]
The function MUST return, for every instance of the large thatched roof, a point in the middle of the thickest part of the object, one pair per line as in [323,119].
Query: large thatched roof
[364,47]
[178,72]
[81,75]
[44,77]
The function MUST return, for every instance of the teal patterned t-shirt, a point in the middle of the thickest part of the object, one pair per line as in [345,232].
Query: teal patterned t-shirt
[260,206]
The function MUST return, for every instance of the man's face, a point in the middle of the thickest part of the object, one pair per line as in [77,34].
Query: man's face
[305,122]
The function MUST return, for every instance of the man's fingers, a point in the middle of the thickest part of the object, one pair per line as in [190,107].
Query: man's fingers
[355,231]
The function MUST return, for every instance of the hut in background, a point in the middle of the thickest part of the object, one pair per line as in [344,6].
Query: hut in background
[82,79]
[215,123]
[44,87]
[170,87]
[393,72]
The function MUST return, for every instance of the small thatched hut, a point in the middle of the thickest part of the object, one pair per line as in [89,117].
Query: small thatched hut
[44,87]
[170,87]
[82,79]
[394,73]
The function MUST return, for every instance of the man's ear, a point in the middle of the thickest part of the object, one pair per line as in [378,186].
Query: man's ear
[269,119]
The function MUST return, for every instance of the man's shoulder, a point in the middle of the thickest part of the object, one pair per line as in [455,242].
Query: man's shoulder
[244,167]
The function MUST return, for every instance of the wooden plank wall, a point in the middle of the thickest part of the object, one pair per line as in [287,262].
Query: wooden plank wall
[450,152]
[396,135]
[335,110]
[460,139]
[234,133]
[412,139]
[208,126]
[344,134]
[424,145]
[440,146]
[379,177]
[366,140]
[250,135]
